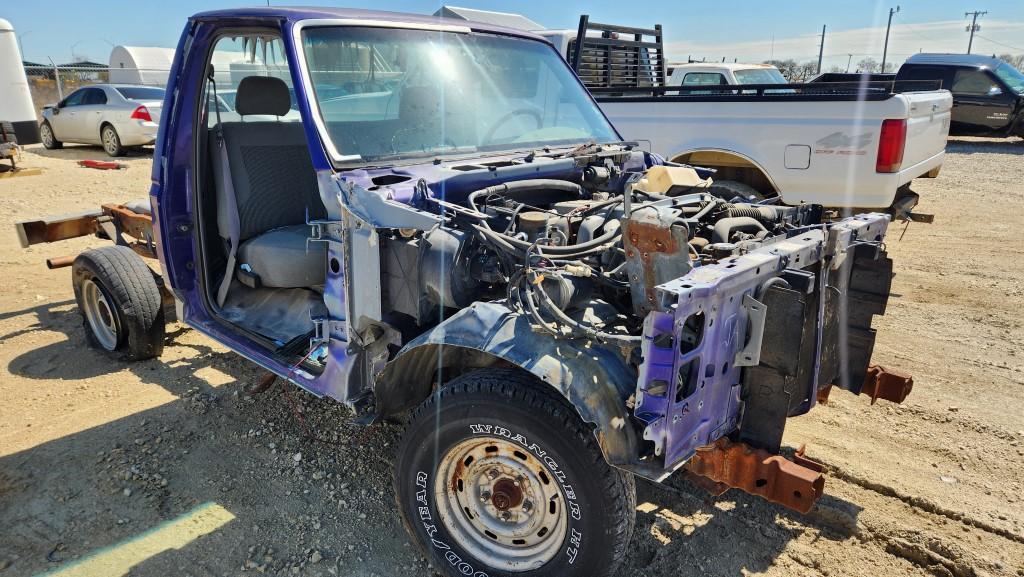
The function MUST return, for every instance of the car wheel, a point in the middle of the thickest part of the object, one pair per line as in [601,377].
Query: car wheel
[496,476]
[111,141]
[48,137]
[120,303]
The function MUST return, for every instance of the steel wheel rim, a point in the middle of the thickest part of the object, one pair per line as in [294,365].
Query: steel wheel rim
[47,135]
[100,314]
[109,140]
[501,503]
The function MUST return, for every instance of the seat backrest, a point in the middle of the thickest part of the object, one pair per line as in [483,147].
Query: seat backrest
[268,162]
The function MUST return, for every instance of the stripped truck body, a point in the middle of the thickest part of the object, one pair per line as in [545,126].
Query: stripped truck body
[550,309]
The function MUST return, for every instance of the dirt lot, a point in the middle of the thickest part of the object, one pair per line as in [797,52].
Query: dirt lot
[166,467]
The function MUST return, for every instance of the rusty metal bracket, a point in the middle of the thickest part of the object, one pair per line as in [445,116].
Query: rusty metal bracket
[883,383]
[796,484]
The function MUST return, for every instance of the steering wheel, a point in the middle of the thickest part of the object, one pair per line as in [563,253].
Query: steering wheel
[534,112]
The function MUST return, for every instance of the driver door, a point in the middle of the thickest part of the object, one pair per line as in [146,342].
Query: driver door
[67,120]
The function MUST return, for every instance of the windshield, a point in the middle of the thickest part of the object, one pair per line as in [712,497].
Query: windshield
[387,94]
[1012,77]
[759,76]
[140,92]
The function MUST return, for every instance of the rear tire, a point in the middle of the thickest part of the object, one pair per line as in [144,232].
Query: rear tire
[47,136]
[111,141]
[120,302]
[496,476]
[731,189]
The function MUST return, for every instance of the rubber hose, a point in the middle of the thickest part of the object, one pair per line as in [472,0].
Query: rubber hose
[517,187]
[725,227]
[764,214]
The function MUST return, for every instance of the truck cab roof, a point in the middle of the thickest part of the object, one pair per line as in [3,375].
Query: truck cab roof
[974,60]
[296,14]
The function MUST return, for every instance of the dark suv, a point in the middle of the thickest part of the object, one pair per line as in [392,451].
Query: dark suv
[988,94]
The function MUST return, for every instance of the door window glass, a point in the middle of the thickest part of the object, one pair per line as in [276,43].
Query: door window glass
[94,96]
[76,98]
[974,83]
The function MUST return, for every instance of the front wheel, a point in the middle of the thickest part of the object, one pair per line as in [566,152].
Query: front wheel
[49,139]
[496,476]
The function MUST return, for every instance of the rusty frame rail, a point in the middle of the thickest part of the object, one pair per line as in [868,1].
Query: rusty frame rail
[796,484]
[114,222]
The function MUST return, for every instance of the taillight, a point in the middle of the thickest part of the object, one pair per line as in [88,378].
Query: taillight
[142,113]
[890,145]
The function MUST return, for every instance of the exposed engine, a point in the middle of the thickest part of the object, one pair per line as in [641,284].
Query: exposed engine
[581,258]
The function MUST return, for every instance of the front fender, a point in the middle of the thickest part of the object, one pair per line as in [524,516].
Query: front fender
[596,379]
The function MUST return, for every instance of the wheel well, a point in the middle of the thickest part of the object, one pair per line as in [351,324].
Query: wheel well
[730,166]
[105,124]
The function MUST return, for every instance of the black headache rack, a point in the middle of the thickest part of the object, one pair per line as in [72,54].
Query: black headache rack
[617,57]
[824,91]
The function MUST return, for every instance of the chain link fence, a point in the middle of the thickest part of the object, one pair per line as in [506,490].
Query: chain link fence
[51,84]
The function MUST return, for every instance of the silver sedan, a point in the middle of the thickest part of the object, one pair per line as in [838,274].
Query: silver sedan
[115,116]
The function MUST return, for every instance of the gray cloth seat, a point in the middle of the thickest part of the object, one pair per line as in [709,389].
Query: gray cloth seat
[274,189]
[281,257]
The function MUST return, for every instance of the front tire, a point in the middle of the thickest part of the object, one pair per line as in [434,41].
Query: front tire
[111,141]
[121,306]
[47,136]
[496,476]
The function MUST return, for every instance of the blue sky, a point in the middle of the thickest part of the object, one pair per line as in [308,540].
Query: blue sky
[745,30]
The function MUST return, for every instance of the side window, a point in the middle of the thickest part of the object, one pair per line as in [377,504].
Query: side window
[237,57]
[703,79]
[933,73]
[974,83]
[76,98]
[95,96]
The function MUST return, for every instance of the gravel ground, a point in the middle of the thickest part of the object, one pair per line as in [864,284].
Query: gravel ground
[94,452]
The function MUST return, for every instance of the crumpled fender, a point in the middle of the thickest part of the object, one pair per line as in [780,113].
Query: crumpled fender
[595,378]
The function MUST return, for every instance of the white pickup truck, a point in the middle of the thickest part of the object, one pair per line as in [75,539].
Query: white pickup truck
[847,145]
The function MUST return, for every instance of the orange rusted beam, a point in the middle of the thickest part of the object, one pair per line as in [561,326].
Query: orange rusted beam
[883,383]
[796,485]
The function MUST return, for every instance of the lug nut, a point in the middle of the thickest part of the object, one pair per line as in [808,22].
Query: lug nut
[485,496]
[493,473]
[505,516]
[527,506]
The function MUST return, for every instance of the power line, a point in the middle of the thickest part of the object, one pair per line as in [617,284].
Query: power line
[1000,43]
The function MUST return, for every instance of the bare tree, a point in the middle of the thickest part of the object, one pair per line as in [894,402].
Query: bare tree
[788,68]
[1015,61]
[869,65]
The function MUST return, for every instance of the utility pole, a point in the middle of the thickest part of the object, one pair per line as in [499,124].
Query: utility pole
[974,27]
[849,59]
[885,49]
[821,48]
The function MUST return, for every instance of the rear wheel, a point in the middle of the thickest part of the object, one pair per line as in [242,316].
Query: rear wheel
[48,137]
[111,141]
[496,476]
[120,302]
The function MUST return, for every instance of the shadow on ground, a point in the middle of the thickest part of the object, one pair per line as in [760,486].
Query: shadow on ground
[1010,145]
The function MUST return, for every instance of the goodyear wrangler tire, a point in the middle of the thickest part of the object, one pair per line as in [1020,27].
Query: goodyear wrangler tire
[120,302]
[497,477]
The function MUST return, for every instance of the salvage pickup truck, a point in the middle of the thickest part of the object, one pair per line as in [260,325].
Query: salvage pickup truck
[840,145]
[431,220]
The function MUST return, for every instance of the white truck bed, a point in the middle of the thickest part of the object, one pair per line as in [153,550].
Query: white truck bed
[816,151]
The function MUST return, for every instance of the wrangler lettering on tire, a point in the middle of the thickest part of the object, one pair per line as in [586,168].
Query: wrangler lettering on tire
[498,476]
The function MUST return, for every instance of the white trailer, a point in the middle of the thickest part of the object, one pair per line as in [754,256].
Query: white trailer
[15,100]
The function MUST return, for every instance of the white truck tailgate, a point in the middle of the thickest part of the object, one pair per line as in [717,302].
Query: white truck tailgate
[927,126]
